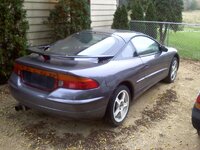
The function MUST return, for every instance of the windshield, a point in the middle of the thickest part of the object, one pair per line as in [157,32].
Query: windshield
[86,43]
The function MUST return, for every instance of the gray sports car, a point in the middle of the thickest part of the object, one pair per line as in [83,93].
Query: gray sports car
[92,74]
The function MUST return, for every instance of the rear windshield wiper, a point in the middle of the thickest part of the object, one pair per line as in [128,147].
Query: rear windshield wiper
[48,55]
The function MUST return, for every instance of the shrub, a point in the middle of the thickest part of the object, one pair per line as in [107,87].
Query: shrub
[168,11]
[151,28]
[13,42]
[68,17]
[120,20]
[137,13]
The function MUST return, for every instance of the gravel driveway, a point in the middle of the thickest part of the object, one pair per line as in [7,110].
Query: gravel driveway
[159,119]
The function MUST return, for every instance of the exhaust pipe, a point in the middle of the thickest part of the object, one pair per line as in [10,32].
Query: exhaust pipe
[20,107]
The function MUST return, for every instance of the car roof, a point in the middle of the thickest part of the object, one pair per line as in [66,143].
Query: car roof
[126,35]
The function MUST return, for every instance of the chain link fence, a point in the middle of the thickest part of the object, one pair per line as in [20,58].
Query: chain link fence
[182,36]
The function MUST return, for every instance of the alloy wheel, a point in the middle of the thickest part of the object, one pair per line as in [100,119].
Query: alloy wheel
[174,69]
[121,106]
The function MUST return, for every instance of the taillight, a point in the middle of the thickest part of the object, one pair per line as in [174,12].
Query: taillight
[16,69]
[62,80]
[198,99]
[76,82]
[197,104]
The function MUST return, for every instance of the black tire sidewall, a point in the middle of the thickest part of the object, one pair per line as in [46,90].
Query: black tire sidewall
[198,132]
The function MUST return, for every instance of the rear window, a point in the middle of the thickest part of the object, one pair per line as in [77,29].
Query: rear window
[86,43]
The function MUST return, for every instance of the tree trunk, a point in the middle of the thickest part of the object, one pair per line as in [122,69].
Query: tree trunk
[163,34]
[160,31]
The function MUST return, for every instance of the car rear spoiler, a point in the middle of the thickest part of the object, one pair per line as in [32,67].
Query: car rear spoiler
[48,55]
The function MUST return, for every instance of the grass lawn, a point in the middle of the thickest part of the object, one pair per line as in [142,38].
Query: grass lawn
[187,43]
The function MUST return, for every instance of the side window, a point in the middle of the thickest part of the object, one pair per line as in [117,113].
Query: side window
[127,52]
[145,45]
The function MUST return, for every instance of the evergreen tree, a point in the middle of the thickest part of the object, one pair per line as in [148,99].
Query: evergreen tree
[125,21]
[13,41]
[59,20]
[168,11]
[80,15]
[144,4]
[120,20]
[137,13]
[68,17]
[116,20]
[151,28]
[151,12]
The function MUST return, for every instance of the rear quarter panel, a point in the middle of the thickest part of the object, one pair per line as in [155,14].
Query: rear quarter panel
[115,72]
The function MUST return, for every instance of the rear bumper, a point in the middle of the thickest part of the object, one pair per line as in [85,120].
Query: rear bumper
[196,118]
[57,102]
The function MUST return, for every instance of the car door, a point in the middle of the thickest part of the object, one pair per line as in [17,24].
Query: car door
[131,65]
[154,68]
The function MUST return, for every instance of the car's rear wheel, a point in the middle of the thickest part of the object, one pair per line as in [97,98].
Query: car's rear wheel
[172,71]
[118,106]
[198,132]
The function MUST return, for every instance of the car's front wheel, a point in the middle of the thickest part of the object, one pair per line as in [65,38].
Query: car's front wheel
[172,71]
[118,106]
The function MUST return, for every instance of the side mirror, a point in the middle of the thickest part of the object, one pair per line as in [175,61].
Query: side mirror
[163,48]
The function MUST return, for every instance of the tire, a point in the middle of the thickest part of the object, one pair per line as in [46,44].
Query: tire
[198,132]
[118,106]
[172,71]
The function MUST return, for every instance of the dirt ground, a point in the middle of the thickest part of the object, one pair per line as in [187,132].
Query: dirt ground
[158,120]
